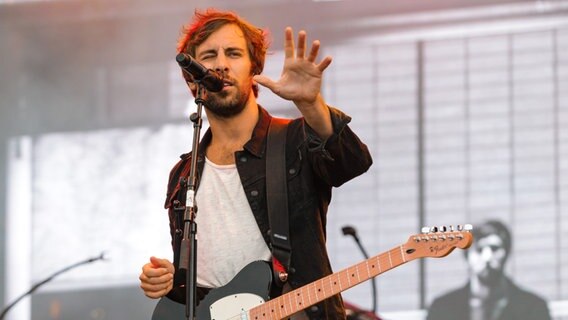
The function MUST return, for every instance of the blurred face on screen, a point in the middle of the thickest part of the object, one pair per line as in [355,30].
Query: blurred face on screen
[487,259]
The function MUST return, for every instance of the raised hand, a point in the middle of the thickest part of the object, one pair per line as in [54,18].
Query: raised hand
[301,81]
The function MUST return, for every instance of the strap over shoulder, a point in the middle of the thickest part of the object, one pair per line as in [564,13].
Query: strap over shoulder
[277,197]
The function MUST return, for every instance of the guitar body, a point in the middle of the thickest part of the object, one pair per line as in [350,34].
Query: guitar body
[249,288]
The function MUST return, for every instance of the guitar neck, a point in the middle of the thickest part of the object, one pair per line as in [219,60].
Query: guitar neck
[310,294]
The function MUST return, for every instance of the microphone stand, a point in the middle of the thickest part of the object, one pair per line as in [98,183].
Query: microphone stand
[348,230]
[188,247]
[41,283]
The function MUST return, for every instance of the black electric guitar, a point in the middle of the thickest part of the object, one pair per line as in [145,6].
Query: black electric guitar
[245,297]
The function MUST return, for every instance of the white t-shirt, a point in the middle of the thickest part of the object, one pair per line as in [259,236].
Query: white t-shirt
[228,237]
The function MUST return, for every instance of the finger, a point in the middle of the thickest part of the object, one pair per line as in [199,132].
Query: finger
[324,63]
[156,291]
[314,51]
[288,43]
[156,279]
[301,45]
[154,295]
[150,270]
[154,284]
[266,82]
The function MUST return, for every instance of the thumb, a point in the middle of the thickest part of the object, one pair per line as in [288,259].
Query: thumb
[265,82]
[157,262]
[162,263]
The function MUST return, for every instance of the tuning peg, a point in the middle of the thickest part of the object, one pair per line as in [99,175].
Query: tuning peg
[442,228]
[425,230]
[434,229]
[468,227]
[451,228]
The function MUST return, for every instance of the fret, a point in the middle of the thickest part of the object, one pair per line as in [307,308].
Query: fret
[374,267]
[282,307]
[337,283]
[319,289]
[290,304]
[300,296]
[278,306]
[352,277]
[402,254]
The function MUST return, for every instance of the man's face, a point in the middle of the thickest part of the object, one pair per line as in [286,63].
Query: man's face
[225,51]
[487,258]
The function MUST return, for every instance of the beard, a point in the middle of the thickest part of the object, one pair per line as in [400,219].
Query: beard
[226,104]
[490,276]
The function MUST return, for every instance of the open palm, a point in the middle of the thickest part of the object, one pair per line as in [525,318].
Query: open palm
[301,77]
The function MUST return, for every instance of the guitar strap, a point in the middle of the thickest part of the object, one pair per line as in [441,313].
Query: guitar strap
[277,198]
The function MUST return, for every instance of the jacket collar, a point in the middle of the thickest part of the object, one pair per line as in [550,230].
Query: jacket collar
[257,143]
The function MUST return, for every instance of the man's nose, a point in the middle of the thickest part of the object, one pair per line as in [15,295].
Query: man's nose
[221,64]
[486,253]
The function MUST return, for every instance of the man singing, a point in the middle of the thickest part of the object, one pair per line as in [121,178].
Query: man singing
[321,152]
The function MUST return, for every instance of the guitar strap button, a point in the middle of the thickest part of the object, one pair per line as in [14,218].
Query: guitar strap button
[283,276]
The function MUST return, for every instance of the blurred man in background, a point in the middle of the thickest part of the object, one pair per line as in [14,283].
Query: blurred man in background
[489,293]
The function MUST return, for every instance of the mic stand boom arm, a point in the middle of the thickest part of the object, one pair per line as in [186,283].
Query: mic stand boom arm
[188,247]
[46,280]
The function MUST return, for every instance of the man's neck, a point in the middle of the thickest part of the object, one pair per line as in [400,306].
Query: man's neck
[230,134]
[492,291]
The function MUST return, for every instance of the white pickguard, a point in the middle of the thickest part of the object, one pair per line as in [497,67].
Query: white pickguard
[235,306]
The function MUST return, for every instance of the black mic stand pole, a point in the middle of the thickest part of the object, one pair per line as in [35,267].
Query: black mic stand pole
[188,247]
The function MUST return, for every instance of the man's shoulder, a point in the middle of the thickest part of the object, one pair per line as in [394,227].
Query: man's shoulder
[525,295]
[453,295]
[450,305]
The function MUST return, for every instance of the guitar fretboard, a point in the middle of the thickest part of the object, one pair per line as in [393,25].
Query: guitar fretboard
[308,295]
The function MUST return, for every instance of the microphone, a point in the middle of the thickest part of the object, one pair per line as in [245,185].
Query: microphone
[209,79]
[350,231]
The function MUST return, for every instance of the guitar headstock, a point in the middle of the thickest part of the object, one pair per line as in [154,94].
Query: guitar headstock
[437,242]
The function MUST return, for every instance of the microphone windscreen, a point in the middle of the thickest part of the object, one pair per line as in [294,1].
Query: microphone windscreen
[349,230]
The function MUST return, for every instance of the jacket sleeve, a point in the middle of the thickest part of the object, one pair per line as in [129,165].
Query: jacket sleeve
[342,156]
